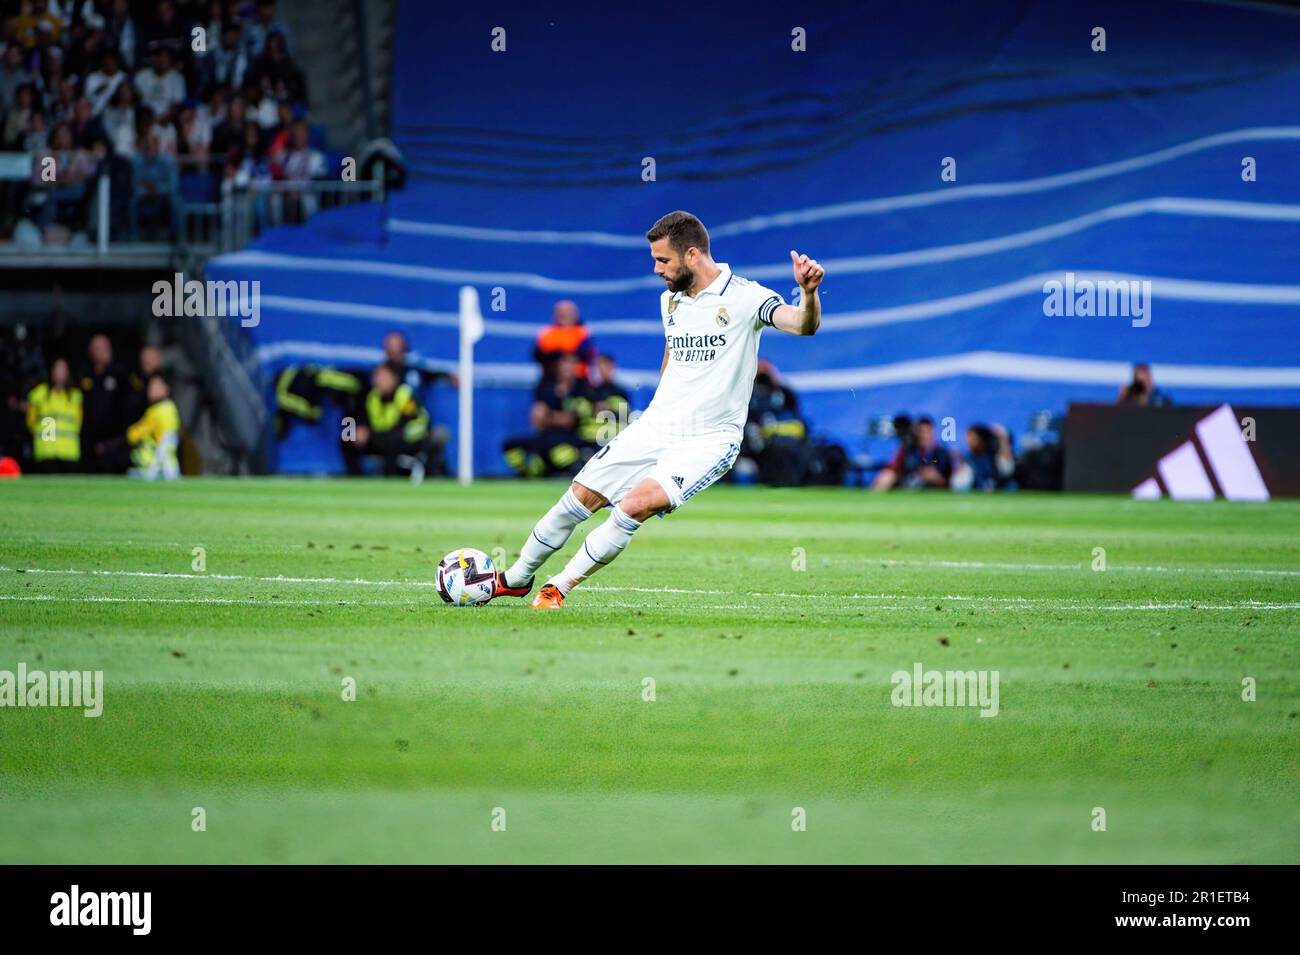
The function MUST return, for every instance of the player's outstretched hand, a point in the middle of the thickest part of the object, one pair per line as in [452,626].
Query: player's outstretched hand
[807,273]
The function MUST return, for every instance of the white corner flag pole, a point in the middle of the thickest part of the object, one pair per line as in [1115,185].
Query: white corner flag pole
[471,330]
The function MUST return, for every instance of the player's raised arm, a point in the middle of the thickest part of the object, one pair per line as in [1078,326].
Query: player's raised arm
[807,317]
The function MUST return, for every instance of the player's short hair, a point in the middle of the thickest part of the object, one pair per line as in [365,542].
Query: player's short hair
[682,230]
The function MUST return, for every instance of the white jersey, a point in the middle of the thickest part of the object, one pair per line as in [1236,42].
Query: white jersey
[712,344]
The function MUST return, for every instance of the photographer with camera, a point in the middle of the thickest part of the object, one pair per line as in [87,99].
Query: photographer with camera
[920,461]
[1142,390]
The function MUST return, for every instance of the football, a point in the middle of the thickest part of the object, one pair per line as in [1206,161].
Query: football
[467,578]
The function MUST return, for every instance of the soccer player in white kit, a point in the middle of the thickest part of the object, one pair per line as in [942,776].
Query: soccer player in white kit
[690,435]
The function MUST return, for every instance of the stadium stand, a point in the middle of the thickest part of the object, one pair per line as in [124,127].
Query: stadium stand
[1126,162]
[176,130]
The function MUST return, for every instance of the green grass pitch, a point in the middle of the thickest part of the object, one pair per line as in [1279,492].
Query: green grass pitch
[1119,689]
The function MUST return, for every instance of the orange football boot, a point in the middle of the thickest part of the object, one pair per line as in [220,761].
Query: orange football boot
[548,598]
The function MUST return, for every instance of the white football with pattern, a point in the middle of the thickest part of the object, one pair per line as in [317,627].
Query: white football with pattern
[467,578]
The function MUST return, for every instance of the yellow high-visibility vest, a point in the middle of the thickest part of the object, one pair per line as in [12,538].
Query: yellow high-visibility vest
[384,415]
[54,419]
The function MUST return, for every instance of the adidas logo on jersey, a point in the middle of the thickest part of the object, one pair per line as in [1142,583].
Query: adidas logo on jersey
[679,481]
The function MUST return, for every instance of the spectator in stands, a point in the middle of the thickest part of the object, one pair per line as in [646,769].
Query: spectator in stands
[393,425]
[65,200]
[103,384]
[164,30]
[13,75]
[38,22]
[259,28]
[84,45]
[990,461]
[193,135]
[146,125]
[250,164]
[49,82]
[277,138]
[18,119]
[157,187]
[566,335]
[54,410]
[102,85]
[47,62]
[564,421]
[281,75]
[155,438]
[225,65]
[228,133]
[920,461]
[1142,390]
[215,108]
[87,131]
[61,95]
[161,86]
[120,33]
[261,102]
[37,136]
[214,23]
[119,122]
[302,163]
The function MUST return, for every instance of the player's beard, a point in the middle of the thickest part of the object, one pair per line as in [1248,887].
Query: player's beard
[683,281]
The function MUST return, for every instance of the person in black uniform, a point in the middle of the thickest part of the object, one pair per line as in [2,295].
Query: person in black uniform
[564,420]
[390,423]
[105,386]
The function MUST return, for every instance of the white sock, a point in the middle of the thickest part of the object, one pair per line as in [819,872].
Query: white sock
[549,535]
[601,546]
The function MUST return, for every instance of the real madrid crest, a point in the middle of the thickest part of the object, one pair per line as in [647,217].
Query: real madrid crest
[723,318]
[672,304]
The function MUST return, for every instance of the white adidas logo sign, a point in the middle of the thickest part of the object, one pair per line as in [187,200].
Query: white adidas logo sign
[1182,475]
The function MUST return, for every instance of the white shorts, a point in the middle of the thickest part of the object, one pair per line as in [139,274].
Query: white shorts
[682,466]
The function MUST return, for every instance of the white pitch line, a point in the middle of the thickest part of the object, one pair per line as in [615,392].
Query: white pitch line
[228,577]
[900,601]
[865,561]
[990,565]
[913,607]
[917,603]
[920,600]
[324,602]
